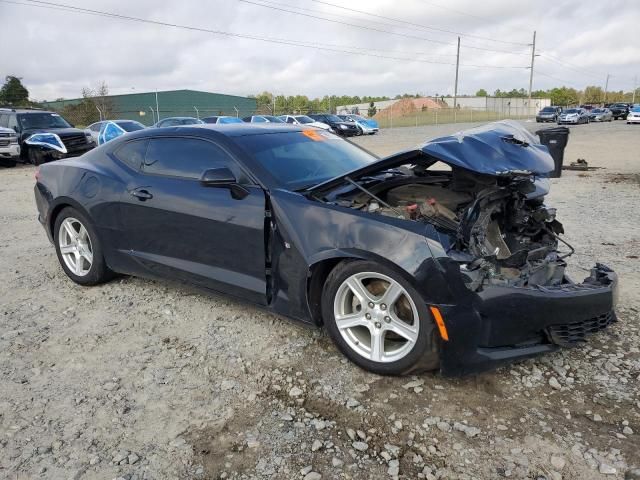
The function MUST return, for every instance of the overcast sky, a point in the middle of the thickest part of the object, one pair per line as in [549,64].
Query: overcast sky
[57,52]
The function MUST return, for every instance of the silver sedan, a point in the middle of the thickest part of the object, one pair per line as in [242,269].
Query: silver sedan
[600,115]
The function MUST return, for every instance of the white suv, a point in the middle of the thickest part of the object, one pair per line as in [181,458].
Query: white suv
[9,147]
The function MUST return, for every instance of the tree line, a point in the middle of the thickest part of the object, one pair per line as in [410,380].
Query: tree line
[95,100]
[565,96]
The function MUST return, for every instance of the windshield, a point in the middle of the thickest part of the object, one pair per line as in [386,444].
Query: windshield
[190,121]
[229,120]
[42,120]
[597,110]
[130,126]
[548,109]
[635,109]
[333,118]
[298,160]
[572,110]
[273,119]
[304,119]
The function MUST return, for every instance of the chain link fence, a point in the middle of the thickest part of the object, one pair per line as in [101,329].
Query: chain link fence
[436,116]
[82,116]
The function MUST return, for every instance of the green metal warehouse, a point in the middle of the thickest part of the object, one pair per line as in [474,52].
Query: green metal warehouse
[145,107]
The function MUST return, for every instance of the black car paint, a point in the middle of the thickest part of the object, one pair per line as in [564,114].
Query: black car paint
[273,247]
[344,129]
[619,110]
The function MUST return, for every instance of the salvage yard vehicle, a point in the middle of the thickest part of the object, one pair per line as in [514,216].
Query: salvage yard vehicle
[177,121]
[368,126]
[45,136]
[408,266]
[222,119]
[600,115]
[262,119]
[125,124]
[9,148]
[548,114]
[573,115]
[339,126]
[304,120]
[619,110]
[634,115]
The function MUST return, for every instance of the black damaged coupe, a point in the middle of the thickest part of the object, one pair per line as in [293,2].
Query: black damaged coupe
[440,257]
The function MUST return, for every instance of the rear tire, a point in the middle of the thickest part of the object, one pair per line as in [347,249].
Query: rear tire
[396,336]
[79,249]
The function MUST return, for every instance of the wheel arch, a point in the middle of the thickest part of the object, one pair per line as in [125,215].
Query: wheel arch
[60,204]
[321,267]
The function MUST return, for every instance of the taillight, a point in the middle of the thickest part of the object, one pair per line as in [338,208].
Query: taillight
[37,174]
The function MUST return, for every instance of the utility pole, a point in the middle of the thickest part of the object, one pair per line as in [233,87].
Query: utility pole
[157,108]
[635,87]
[455,88]
[606,87]
[533,57]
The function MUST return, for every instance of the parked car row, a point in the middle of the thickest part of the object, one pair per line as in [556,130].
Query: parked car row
[38,136]
[587,113]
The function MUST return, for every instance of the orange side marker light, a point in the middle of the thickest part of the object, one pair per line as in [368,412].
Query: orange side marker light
[437,316]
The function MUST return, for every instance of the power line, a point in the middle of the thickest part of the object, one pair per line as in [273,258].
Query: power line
[568,65]
[374,29]
[538,72]
[419,25]
[342,50]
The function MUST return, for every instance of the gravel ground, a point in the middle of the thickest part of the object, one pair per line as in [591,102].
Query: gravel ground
[138,379]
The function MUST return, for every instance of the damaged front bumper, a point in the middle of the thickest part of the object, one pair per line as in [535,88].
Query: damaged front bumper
[511,323]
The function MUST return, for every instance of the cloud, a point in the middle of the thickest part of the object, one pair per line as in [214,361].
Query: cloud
[57,52]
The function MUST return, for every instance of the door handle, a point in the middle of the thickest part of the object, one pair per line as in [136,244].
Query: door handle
[141,194]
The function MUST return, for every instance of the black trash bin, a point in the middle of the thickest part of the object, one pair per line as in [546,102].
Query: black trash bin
[556,140]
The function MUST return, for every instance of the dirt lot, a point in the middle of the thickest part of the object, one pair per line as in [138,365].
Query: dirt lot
[145,380]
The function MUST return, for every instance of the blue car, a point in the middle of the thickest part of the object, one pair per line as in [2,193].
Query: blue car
[368,126]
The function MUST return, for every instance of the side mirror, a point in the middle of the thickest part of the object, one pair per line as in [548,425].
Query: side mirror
[223,177]
[216,177]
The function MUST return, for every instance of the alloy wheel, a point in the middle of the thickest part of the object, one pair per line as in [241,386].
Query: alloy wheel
[75,246]
[376,317]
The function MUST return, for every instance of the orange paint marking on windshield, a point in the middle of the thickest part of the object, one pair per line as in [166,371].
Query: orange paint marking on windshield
[313,135]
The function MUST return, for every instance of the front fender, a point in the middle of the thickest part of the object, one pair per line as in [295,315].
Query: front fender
[314,232]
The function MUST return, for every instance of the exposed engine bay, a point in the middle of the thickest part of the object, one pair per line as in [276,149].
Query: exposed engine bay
[499,231]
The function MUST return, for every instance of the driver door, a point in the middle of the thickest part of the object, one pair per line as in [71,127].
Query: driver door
[176,227]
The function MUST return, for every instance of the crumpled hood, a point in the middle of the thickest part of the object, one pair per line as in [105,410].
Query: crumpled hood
[497,148]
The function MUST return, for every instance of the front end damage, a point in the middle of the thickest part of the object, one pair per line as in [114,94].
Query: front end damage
[506,260]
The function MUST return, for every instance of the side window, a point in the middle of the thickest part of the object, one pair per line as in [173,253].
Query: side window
[96,127]
[185,157]
[13,122]
[132,153]
[290,120]
[259,120]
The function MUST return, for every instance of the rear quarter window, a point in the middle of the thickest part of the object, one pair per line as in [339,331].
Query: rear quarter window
[133,153]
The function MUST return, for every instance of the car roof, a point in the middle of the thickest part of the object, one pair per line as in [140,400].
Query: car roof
[176,118]
[28,110]
[214,129]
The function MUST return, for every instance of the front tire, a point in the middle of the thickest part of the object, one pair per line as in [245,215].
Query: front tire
[79,249]
[378,320]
